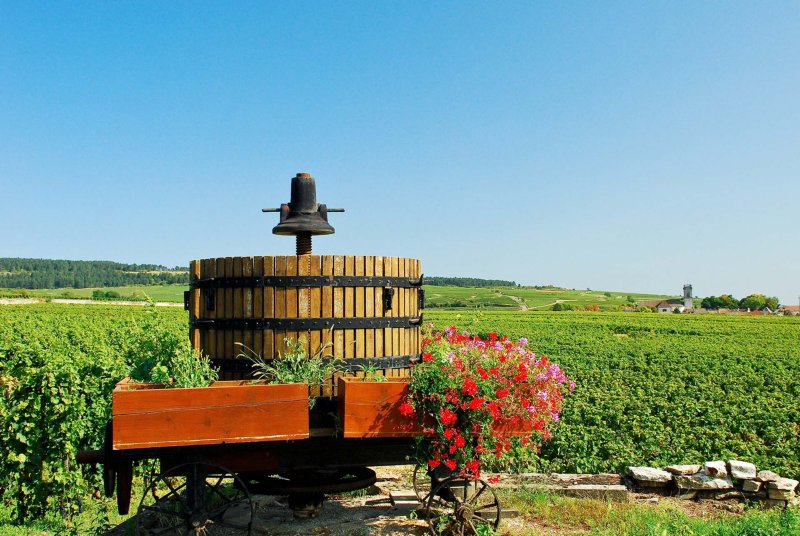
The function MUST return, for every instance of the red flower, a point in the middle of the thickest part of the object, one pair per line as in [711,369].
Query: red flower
[406,409]
[460,441]
[434,463]
[448,417]
[475,403]
[501,393]
[482,373]
[469,387]
[449,433]
[451,464]
[427,357]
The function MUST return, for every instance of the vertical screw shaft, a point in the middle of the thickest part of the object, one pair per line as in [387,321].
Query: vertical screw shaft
[304,243]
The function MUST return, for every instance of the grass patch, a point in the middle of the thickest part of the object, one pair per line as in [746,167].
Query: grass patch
[546,513]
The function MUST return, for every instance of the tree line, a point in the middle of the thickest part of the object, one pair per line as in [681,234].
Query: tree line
[52,273]
[752,302]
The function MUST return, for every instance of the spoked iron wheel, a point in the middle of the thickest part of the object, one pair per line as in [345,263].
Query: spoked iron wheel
[460,507]
[421,480]
[194,498]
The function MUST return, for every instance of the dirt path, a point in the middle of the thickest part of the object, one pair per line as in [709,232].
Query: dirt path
[522,305]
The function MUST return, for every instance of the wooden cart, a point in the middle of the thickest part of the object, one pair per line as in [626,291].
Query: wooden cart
[216,445]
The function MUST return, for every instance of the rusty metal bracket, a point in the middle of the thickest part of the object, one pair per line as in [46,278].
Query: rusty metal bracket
[388,296]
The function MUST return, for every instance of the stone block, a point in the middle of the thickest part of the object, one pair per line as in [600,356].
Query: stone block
[783,484]
[767,476]
[649,476]
[741,470]
[572,479]
[751,485]
[780,494]
[716,468]
[702,481]
[683,469]
[615,493]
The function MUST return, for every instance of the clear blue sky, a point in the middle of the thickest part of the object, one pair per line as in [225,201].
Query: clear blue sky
[621,146]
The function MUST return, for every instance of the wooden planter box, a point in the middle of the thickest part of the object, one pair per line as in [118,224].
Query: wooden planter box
[372,409]
[147,415]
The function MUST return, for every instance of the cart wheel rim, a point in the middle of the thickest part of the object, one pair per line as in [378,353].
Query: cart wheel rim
[195,497]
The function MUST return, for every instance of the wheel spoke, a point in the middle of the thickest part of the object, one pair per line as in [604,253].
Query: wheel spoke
[474,498]
[174,491]
[153,508]
[489,505]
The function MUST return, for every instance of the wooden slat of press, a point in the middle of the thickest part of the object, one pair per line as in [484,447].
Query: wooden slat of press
[369,308]
[412,311]
[360,350]
[291,295]
[219,308]
[268,345]
[388,349]
[247,306]
[401,302]
[227,312]
[258,306]
[238,308]
[315,308]
[304,300]
[338,309]
[377,294]
[349,308]
[326,311]
[304,309]
[194,306]
[396,312]
[209,270]
[280,307]
[410,307]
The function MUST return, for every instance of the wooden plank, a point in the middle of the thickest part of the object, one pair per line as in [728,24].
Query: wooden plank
[396,312]
[291,296]
[369,308]
[269,310]
[378,307]
[194,304]
[247,306]
[210,270]
[315,309]
[360,335]
[349,308]
[225,412]
[338,309]
[372,409]
[280,307]
[238,308]
[326,311]
[258,306]
[387,332]
[401,303]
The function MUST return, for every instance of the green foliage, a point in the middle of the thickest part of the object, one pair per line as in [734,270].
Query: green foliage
[58,366]
[173,365]
[662,389]
[723,301]
[295,365]
[48,273]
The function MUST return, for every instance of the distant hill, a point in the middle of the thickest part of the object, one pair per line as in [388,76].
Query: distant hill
[467,282]
[50,273]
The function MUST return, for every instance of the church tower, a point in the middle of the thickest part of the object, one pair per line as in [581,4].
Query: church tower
[687,296]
